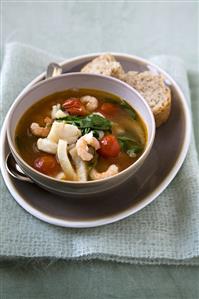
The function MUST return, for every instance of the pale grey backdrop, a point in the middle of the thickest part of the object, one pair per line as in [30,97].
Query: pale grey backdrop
[70,28]
[73,28]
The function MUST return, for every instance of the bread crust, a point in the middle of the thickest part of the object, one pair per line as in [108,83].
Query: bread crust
[105,65]
[161,114]
[154,90]
[151,86]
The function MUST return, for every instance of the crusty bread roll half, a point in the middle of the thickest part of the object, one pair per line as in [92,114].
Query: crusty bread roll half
[105,65]
[151,86]
[154,91]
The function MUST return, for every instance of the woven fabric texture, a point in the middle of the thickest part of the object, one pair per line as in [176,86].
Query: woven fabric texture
[166,231]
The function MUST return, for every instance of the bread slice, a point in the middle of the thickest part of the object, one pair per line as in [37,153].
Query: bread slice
[154,90]
[151,86]
[105,65]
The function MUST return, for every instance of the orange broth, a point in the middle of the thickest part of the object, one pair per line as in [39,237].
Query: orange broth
[134,128]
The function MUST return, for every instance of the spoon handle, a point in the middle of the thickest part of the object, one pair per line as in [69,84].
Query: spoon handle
[53,70]
[15,170]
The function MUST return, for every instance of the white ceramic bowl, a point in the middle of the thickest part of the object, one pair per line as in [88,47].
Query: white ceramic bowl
[79,80]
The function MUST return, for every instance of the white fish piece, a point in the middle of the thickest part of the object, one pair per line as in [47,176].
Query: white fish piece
[60,176]
[54,110]
[64,160]
[46,145]
[70,133]
[55,131]
[67,132]
[60,113]
[80,166]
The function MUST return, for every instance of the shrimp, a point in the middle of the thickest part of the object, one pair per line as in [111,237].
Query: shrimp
[48,121]
[39,131]
[112,170]
[90,102]
[82,146]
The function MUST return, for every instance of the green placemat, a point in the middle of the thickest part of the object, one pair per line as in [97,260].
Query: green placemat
[166,231]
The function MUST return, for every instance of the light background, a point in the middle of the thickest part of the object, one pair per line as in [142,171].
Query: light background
[70,28]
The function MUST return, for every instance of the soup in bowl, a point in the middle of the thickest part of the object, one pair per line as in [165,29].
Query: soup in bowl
[79,134]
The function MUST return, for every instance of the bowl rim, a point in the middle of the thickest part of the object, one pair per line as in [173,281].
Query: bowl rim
[75,74]
[121,215]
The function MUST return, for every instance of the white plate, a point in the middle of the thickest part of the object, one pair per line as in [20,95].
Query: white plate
[153,177]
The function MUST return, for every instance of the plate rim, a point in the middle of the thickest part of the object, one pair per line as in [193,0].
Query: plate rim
[130,211]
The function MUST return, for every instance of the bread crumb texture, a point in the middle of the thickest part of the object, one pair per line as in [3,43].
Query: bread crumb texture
[151,86]
[105,65]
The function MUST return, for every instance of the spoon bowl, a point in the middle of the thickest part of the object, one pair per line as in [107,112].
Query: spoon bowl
[15,170]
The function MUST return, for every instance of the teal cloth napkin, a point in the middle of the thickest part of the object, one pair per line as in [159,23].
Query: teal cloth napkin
[166,231]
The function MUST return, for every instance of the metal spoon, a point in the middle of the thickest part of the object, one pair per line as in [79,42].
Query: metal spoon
[12,167]
[53,70]
[15,170]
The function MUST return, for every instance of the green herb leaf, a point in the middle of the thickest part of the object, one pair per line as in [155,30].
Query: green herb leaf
[96,122]
[88,123]
[134,149]
[129,145]
[73,120]
[85,131]
[123,104]
[128,108]
[125,138]
[123,144]
[92,164]
[95,133]
[112,101]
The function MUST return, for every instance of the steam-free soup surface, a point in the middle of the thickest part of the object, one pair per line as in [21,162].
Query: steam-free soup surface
[81,135]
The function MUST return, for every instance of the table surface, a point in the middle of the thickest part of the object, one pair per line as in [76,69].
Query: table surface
[70,28]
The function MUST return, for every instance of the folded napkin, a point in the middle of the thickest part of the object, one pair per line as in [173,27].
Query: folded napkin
[166,231]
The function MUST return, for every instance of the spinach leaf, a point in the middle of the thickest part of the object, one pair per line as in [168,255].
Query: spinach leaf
[123,104]
[112,101]
[129,145]
[88,123]
[85,131]
[125,142]
[134,149]
[125,138]
[95,133]
[128,108]
[72,120]
[92,164]
[96,122]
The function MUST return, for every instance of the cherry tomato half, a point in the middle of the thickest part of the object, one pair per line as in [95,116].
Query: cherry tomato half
[109,109]
[109,146]
[46,164]
[74,107]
